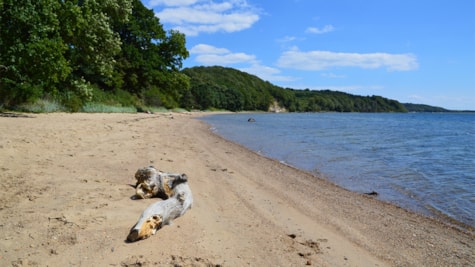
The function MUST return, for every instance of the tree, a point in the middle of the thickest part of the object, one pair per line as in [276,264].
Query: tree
[31,50]
[57,48]
[91,40]
[150,58]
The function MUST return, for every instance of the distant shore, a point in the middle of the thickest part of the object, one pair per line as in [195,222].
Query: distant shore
[66,182]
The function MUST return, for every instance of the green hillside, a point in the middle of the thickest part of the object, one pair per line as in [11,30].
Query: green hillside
[423,108]
[226,88]
[231,89]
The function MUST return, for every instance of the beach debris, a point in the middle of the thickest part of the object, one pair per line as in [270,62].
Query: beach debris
[162,213]
[172,188]
[133,261]
[154,183]
[15,115]
[307,247]
[372,193]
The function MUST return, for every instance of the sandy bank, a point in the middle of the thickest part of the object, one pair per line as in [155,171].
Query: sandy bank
[66,200]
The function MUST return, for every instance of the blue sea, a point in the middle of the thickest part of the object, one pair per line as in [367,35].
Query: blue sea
[423,162]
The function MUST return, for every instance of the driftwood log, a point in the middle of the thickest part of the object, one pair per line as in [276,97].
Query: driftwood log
[175,191]
[162,213]
[154,183]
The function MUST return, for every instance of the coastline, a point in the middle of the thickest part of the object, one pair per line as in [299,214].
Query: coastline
[341,153]
[66,200]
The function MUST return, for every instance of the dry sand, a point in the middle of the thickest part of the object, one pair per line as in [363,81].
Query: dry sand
[66,201]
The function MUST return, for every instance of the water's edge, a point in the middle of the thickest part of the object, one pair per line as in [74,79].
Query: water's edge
[392,193]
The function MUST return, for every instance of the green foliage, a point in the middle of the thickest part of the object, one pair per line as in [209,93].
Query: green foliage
[225,88]
[150,59]
[326,100]
[71,50]
[71,101]
[117,98]
[42,106]
[423,108]
[82,89]
[103,108]
[92,43]
[57,48]
[31,50]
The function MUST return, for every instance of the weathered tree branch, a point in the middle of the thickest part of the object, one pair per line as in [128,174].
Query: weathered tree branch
[162,213]
[154,183]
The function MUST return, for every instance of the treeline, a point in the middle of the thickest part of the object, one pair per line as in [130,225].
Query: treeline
[75,52]
[423,108]
[231,89]
[327,100]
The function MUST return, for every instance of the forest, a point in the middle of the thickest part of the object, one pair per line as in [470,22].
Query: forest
[231,89]
[116,56]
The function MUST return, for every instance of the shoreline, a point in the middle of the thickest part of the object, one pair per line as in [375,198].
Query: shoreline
[71,174]
[425,209]
[435,214]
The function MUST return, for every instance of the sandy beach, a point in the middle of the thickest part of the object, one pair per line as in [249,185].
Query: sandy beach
[67,187]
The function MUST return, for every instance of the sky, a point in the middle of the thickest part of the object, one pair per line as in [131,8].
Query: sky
[413,51]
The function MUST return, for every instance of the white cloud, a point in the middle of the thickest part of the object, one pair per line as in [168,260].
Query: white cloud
[224,59]
[267,73]
[325,29]
[361,89]
[210,55]
[287,39]
[321,60]
[171,2]
[207,49]
[332,75]
[193,17]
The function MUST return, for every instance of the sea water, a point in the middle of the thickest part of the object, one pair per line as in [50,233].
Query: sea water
[424,162]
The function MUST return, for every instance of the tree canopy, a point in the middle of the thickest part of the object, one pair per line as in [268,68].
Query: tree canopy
[231,89]
[74,51]
[227,88]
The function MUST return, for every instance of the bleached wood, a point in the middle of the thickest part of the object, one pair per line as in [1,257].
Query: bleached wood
[162,213]
[154,183]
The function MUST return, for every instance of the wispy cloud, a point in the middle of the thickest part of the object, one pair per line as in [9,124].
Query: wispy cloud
[322,60]
[286,39]
[210,55]
[360,89]
[208,49]
[171,2]
[267,73]
[325,29]
[224,59]
[332,75]
[193,17]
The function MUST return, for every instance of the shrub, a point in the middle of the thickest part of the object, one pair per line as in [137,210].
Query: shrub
[103,108]
[42,106]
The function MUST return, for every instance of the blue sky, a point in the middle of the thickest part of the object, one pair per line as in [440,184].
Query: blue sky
[416,51]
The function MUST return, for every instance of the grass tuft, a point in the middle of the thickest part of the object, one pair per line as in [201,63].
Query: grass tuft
[42,106]
[102,108]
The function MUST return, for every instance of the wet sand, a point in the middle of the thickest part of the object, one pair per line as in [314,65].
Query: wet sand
[66,200]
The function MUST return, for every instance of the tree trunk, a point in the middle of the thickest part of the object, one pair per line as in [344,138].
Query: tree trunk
[162,213]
